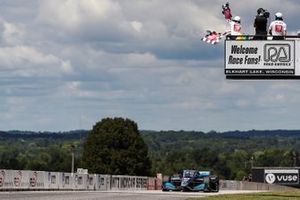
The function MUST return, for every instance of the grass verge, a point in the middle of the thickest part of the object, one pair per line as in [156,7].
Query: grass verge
[287,195]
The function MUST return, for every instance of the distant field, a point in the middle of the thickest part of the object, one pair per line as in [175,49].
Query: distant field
[288,195]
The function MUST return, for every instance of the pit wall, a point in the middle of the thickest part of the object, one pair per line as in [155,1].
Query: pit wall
[42,180]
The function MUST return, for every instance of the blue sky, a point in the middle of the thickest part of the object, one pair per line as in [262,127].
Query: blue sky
[66,64]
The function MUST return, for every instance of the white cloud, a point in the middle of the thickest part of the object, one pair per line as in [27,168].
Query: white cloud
[72,14]
[62,59]
[29,62]
[12,34]
[84,19]
[137,26]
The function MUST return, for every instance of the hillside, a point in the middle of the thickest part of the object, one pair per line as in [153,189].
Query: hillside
[229,154]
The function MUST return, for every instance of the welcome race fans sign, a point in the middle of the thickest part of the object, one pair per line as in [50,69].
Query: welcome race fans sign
[261,58]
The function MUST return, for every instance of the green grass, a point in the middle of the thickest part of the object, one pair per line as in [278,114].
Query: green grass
[287,195]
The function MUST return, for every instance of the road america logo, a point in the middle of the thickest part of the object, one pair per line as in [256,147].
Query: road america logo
[277,53]
[270,178]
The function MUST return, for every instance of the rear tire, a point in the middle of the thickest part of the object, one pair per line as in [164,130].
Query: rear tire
[218,188]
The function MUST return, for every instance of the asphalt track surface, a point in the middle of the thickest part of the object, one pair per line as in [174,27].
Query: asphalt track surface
[107,195]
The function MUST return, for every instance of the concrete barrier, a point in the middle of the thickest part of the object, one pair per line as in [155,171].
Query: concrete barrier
[42,180]
[244,185]
[121,182]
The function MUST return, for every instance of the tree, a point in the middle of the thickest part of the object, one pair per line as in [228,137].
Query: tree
[115,146]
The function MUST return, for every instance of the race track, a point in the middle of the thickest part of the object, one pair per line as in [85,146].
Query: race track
[107,195]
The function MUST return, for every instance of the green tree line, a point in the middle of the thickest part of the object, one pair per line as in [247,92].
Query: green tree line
[230,154]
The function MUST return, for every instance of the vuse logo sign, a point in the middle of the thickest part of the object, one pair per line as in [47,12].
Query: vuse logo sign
[270,178]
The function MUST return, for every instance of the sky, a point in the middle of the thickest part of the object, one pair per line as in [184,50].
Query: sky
[67,64]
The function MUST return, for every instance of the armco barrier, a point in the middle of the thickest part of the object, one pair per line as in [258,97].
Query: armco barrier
[42,180]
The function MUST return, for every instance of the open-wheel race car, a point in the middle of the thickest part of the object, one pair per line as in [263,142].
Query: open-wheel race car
[192,180]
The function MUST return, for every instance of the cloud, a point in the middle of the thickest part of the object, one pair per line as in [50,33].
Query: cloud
[65,64]
[137,26]
[11,34]
[121,27]
[85,20]
[73,14]
[28,62]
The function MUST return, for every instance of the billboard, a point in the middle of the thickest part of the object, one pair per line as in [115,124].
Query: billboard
[260,58]
[282,176]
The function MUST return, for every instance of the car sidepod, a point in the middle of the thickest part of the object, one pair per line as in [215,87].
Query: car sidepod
[174,184]
[168,186]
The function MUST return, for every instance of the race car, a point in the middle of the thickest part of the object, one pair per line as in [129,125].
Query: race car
[192,180]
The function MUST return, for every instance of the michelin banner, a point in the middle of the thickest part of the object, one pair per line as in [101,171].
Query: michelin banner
[260,58]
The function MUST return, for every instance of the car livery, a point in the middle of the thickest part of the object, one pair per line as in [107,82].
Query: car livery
[192,180]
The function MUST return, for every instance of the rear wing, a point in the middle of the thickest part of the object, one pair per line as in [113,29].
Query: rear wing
[204,173]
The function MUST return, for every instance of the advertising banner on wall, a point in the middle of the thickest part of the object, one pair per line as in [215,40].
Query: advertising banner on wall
[282,176]
[260,58]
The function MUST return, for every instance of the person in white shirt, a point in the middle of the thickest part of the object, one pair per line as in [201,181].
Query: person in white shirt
[235,26]
[278,28]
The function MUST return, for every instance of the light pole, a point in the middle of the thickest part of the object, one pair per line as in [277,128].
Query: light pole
[294,158]
[72,154]
[252,161]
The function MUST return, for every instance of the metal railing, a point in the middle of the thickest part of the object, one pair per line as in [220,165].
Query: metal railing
[252,37]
